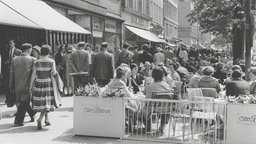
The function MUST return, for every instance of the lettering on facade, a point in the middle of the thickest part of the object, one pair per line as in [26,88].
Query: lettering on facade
[138,21]
[246,119]
[97,110]
[110,26]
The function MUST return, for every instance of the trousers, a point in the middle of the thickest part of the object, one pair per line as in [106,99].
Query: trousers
[22,109]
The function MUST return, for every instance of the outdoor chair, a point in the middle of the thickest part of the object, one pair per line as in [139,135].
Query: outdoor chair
[159,110]
[209,92]
[202,109]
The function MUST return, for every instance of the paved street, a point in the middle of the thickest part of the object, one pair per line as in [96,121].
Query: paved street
[60,132]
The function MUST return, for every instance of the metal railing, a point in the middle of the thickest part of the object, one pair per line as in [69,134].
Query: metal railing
[177,121]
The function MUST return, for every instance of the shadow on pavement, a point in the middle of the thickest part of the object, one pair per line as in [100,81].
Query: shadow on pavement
[10,128]
[68,109]
[68,137]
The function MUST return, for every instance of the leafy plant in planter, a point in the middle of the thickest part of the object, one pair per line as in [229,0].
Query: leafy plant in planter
[88,91]
[114,93]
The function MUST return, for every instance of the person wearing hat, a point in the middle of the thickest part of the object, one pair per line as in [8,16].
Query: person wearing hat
[159,56]
[20,76]
[67,79]
[125,55]
[80,63]
[103,66]
[36,51]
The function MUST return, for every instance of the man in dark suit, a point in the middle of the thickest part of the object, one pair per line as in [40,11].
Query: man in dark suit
[80,63]
[103,66]
[20,76]
[8,54]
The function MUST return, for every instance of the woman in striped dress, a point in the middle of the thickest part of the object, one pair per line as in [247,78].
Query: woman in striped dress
[42,87]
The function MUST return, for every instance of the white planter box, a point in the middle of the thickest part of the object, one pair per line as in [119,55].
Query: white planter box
[241,124]
[99,117]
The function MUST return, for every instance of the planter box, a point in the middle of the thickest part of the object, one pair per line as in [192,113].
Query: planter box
[241,124]
[99,117]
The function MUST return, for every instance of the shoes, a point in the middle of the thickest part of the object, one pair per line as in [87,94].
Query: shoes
[47,123]
[39,125]
[18,124]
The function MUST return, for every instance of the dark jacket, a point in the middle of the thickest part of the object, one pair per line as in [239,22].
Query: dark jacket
[237,87]
[103,66]
[209,82]
[20,76]
[145,57]
[220,75]
[79,61]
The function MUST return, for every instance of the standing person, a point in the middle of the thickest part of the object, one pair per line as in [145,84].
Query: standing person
[68,80]
[136,56]
[103,66]
[125,55]
[42,85]
[80,63]
[159,56]
[116,55]
[183,55]
[169,54]
[58,60]
[8,54]
[36,51]
[145,56]
[20,77]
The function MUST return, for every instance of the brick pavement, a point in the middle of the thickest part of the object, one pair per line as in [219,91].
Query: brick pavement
[60,132]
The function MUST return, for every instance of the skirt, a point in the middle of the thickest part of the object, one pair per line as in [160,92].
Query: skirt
[43,95]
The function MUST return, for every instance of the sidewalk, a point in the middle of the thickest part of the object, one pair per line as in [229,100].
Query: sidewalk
[60,132]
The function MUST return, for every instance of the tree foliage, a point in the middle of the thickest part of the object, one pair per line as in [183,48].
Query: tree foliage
[216,16]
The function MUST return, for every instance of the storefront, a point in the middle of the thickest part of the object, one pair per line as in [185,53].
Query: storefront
[32,25]
[113,33]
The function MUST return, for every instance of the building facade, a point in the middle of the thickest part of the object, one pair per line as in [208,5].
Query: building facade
[191,34]
[156,13]
[171,23]
[100,17]
[186,32]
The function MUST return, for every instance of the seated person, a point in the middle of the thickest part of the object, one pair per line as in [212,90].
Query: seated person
[119,82]
[237,86]
[193,82]
[167,78]
[233,68]
[146,71]
[173,67]
[158,86]
[207,81]
[136,79]
[219,73]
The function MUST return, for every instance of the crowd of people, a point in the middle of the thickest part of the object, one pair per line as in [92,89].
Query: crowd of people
[34,74]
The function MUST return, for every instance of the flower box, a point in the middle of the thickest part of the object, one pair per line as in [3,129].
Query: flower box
[94,116]
[241,123]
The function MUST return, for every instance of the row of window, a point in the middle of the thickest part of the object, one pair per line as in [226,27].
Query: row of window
[141,6]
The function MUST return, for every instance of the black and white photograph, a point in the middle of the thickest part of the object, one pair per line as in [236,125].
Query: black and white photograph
[127,72]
